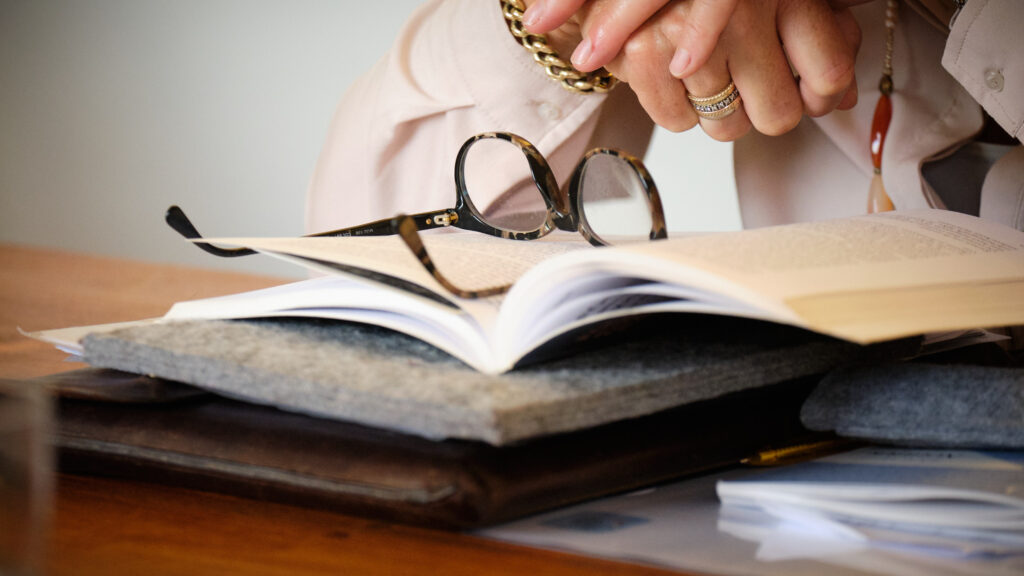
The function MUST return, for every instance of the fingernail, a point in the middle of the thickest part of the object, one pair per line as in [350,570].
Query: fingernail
[581,55]
[680,62]
[533,15]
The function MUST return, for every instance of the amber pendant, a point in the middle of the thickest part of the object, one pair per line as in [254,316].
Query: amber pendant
[878,199]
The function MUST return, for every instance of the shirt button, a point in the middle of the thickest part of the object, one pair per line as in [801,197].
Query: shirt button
[994,79]
[549,111]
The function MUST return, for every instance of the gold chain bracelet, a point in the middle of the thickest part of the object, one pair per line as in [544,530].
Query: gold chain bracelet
[570,78]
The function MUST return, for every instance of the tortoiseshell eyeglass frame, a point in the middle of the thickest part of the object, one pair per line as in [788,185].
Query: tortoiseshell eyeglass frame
[563,213]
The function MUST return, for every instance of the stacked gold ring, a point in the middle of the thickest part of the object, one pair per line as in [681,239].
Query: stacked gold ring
[717,106]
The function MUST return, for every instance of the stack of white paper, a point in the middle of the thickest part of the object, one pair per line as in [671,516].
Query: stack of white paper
[932,501]
[946,513]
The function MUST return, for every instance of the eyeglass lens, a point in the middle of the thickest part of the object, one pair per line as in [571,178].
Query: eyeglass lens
[614,201]
[498,176]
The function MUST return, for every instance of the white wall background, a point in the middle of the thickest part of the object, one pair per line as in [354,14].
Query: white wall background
[112,110]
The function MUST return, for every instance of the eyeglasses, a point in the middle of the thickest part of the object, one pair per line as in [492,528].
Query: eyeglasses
[612,199]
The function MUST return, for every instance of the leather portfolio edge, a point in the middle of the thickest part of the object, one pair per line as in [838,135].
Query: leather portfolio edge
[211,443]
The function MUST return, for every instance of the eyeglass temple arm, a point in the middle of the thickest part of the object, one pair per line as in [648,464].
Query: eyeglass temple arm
[406,227]
[176,219]
[386,227]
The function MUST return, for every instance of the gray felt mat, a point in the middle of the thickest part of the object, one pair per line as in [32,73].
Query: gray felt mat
[947,406]
[380,378]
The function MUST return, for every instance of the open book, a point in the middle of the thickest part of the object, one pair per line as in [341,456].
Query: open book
[863,279]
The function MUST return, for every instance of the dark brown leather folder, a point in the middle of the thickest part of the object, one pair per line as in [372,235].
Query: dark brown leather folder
[118,424]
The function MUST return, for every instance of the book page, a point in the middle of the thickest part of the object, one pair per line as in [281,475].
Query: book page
[392,276]
[887,275]
[863,279]
[340,298]
[884,250]
[469,260]
[69,340]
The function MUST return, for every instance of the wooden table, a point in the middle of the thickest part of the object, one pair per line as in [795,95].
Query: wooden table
[109,526]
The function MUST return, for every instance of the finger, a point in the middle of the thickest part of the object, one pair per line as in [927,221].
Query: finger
[819,53]
[850,98]
[606,26]
[760,70]
[852,33]
[543,16]
[643,64]
[710,80]
[701,29]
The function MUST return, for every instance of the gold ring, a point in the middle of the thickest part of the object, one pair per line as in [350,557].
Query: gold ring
[717,106]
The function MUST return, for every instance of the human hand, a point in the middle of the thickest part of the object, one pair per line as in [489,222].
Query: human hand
[608,25]
[820,44]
